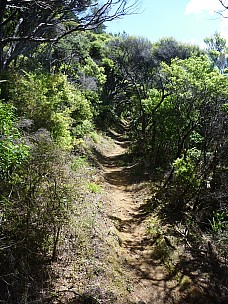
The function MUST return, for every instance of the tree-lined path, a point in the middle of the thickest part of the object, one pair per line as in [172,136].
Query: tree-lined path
[149,283]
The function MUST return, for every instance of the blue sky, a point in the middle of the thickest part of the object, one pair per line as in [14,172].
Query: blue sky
[186,20]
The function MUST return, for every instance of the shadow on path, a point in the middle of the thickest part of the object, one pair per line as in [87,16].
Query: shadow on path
[150,283]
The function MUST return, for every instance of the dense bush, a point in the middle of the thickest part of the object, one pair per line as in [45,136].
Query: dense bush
[12,150]
[50,102]
[34,207]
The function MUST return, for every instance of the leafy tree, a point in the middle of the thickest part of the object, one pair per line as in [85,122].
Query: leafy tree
[217,51]
[193,87]
[66,56]
[129,76]
[189,132]
[134,72]
[167,49]
[50,102]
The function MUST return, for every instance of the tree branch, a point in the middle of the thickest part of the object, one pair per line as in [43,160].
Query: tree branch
[223,4]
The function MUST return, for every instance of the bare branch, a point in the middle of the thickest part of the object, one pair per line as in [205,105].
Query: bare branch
[88,22]
[223,2]
[225,6]
[41,21]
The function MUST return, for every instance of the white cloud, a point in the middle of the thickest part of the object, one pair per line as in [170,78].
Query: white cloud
[200,6]
[211,7]
[224,28]
[200,43]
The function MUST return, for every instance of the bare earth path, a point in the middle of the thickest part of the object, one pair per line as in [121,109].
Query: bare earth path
[148,277]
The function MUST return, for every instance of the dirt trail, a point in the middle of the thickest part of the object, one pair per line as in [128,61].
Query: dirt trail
[149,283]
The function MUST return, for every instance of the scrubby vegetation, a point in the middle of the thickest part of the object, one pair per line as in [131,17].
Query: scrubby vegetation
[53,100]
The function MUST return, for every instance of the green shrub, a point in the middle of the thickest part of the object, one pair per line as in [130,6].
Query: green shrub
[185,169]
[79,162]
[52,103]
[154,226]
[34,209]
[94,188]
[13,151]
[219,222]
[82,129]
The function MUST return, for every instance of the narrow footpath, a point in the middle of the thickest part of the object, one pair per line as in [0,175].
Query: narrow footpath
[149,279]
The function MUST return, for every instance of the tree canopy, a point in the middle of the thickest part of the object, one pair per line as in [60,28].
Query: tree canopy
[23,24]
[217,51]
